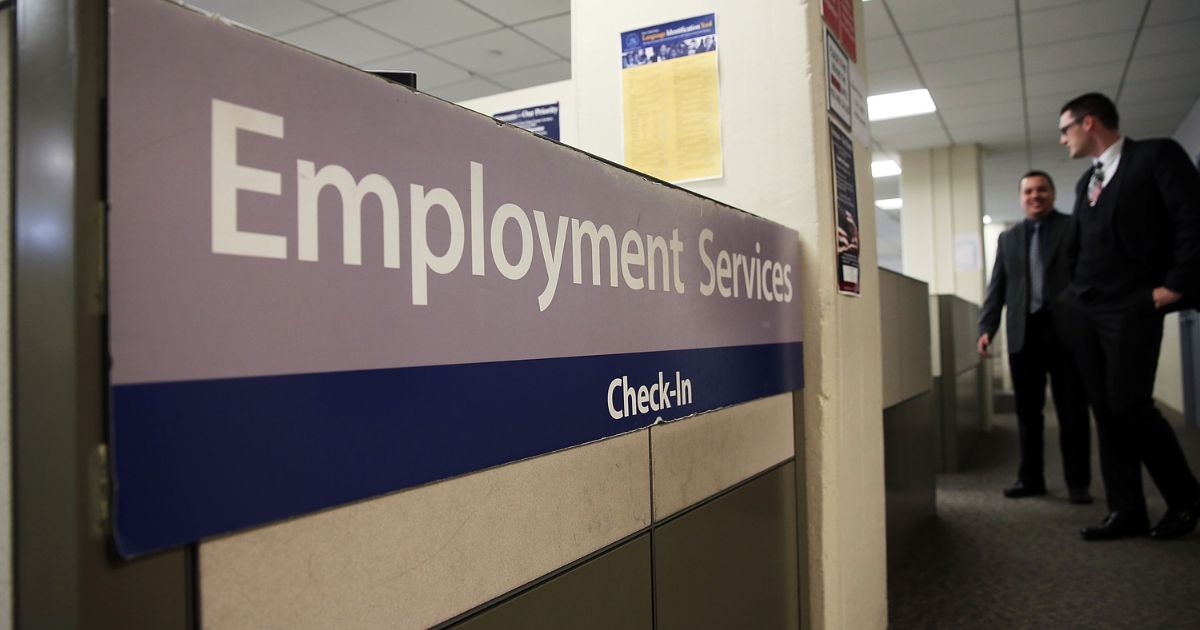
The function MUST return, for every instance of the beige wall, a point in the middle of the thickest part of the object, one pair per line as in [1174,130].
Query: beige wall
[942,230]
[777,165]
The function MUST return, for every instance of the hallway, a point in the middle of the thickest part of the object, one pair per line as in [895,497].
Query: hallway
[992,562]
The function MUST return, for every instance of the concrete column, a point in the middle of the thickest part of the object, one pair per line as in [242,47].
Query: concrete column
[777,164]
[942,220]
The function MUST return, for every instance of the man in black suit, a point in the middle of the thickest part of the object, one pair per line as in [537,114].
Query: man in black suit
[1031,270]
[1136,255]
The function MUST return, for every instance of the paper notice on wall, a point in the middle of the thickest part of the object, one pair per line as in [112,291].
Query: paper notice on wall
[837,75]
[541,119]
[858,107]
[966,252]
[669,89]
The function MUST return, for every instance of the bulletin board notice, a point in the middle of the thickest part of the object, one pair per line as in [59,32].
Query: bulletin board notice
[669,88]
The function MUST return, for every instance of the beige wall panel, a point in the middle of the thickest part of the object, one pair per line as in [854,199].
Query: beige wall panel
[421,556]
[696,458]
[890,325]
[915,343]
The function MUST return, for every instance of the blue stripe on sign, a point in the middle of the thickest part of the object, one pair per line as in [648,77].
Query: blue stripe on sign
[197,458]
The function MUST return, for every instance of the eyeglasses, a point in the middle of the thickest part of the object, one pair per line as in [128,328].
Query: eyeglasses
[1062,131]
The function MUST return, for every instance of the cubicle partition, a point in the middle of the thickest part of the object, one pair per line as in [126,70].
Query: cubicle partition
[273,372]
[959,377]
[912,449]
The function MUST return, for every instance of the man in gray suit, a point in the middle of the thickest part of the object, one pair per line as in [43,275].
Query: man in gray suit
[1028,276]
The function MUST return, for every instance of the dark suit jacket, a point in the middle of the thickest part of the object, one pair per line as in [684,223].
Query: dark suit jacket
[1154,205]
[1010,277]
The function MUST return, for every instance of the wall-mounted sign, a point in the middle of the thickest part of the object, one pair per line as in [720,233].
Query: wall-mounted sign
[325,287]
[669,90]
[860,125]
[845,204]
[839,15]
[838,82]
[541,119]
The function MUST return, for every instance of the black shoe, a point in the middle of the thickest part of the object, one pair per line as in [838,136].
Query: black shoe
[1124,524]
[1022,489]
[1080,496]
[1177,522]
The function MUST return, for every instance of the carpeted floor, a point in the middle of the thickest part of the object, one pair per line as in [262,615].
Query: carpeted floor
[992,562]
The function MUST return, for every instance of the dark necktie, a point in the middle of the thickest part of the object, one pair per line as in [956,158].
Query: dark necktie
[1096,184]
[1037,274]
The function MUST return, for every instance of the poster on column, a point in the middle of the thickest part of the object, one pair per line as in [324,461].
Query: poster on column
[541,119]
[313,301]
[839,15]
[845,204]
[670,100]
[838,81]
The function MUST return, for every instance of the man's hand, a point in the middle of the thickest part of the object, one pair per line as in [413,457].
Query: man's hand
[1164,297]
[983,343]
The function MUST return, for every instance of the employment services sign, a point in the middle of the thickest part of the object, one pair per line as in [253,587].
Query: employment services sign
[325,287]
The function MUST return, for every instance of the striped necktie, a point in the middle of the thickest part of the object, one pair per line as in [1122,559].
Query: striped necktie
[1096,184]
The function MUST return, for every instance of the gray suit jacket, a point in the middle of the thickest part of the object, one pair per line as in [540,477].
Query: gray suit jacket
[1009,285]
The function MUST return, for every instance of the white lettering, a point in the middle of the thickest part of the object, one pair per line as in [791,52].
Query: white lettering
[228,177]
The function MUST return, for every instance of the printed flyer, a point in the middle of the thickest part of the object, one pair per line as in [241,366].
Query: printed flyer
[669,88]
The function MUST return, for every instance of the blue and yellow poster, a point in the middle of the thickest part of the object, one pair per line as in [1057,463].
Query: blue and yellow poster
[669,86]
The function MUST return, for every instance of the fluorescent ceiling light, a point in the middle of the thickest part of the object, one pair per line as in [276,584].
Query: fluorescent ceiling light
[884,168]
[899,104]
[889,204]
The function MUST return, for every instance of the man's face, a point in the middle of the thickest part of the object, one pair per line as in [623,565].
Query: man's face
[1072,135]
[1037,197]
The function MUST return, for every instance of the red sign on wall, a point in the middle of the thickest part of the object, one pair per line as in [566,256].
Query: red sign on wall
[839,15]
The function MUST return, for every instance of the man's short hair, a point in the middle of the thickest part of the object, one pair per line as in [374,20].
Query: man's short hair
[1049,179]
[1097,105]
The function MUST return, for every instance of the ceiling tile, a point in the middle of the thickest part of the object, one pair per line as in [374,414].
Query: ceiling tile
[1092,78]
[897,80]
[554,33]
[973,38]
[1151,110]
[977,94]
[1079,21]
[1182,85]
[1168,38]
[907,142]
[342,6]
[886,53]
[1171,11]
[925,123]
[1158,127]
[273,17]
[518,11]
[1113,47]
[498,51]
[1002,65]
[1032,6]
[1010,109]
[345,41]
[1152,67]
[466,90]
[537,75]
[422,23]
[431,71]
[875,21]
[984,132]
[915,16]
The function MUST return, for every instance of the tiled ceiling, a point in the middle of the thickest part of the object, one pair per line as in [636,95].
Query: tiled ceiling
[460,49]
[999,70]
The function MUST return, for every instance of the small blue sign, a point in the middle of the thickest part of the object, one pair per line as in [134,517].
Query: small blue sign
[672,40]
[541,119]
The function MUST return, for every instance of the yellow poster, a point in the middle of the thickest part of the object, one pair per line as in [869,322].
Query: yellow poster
[669,87]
